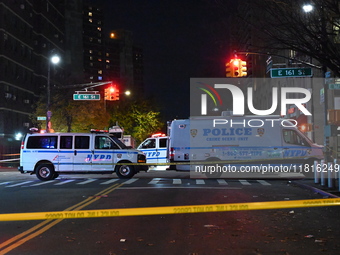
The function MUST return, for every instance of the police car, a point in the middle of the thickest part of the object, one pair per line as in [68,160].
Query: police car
[49,154]
[155,150]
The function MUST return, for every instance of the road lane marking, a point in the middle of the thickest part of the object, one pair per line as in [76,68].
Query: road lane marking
[109,181]
[29,234]
[64,182]
[182,187]
[42,183]
[154,180]
[200,182]
[18,184]
[264,182]
[222,182]
[244,182]
[176,181]
[131,181]
[86,182]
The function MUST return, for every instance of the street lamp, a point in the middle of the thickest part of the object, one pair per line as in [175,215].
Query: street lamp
[307,8]
[55,59]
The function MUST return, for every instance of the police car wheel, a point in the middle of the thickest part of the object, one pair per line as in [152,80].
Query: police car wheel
[45,172]
[125,171]
[212,172]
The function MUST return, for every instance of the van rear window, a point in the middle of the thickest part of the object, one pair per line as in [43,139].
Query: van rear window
[42,142]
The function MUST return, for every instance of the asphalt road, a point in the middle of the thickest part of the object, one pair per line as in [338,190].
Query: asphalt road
[275,231]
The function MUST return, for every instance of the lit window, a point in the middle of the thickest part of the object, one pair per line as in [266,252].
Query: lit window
[107,61]
[112,35]
[90,14]
[91,51]
[100,71]
[99,28]
[99,59]
[90,20]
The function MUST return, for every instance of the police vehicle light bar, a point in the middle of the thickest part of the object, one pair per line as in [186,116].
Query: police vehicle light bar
[99,131]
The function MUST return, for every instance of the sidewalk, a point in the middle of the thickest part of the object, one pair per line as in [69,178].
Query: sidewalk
[8,169]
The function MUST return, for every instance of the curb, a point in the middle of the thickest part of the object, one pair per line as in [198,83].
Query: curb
[316,190]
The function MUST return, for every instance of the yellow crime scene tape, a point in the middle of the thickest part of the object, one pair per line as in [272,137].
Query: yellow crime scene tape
[169,210]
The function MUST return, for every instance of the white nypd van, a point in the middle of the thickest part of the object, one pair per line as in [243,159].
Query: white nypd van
[242,140]
[49,154]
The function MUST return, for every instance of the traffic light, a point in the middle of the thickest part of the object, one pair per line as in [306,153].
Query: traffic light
[232,68]
[236,68]
[243,68]
[106,94]
[235,64]
[117,94]
[228,71]
[109,94]
[112,94]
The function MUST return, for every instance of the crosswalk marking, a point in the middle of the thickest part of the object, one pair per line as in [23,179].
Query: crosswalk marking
[18,184]
[131,181]
[86,182]
[264,182]
[154,181]
[109,181]
[200,182]
[244,182]
[222,182]
[42,183]
[176,181]
[64,182]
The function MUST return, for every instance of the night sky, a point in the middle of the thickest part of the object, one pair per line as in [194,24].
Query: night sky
[180,39]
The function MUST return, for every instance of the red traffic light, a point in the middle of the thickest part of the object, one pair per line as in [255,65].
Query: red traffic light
[236,62]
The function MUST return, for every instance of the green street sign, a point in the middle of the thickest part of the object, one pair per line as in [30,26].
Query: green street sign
[86,96]
[41,118]
[290,72]
[334,86]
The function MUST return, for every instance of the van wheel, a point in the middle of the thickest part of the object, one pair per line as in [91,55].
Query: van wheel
[125,171]
[308,164]
[210,174]
[45,172]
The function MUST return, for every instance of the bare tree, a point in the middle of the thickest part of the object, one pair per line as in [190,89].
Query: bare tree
[284,24]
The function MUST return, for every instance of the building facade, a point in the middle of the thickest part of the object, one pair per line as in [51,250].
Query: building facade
[30,32]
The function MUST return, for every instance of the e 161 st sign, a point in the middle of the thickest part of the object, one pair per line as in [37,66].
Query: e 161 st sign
[290,72]
[86,96]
